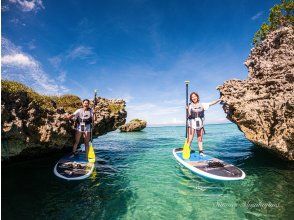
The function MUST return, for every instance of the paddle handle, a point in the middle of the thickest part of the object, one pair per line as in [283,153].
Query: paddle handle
[187,101]
[95,95]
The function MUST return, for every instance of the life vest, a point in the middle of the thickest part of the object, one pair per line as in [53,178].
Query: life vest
[197,111]
[86,116]
[197,114]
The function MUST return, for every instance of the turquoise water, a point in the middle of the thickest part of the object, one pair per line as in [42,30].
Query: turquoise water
[136,177]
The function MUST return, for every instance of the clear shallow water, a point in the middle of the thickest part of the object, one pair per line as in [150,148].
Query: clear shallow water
[136,177]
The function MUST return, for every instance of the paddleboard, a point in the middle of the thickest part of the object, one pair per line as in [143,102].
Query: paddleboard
[209,167]
[74,167]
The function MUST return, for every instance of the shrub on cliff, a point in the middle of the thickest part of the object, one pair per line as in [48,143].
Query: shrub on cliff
[280,15]
[115,108]
[69,102]
[13,87]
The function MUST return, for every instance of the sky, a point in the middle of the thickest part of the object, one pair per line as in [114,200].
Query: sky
[137,50]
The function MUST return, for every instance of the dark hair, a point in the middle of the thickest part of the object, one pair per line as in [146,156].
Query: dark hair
[86,100]
[194,93]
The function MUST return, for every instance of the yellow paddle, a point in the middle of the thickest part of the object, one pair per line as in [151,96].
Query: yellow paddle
[91,153]
[186,147]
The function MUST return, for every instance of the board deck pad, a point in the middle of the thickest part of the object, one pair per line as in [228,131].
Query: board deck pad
[209,166]
[73,167]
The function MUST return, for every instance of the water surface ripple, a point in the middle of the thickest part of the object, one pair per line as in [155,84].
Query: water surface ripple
[136,177]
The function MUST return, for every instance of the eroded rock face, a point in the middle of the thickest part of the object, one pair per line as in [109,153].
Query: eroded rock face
[28,130]
[134,125]
[263,105]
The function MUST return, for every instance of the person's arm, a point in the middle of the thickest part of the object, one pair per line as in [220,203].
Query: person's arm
[70,116]
[214,102]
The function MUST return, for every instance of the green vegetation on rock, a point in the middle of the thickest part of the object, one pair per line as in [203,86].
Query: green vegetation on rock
[136,120]
[115,108]
[280,15]
[13,87]
[69,102]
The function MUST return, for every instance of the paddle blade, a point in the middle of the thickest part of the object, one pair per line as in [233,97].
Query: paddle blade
[91,154]
[186,151]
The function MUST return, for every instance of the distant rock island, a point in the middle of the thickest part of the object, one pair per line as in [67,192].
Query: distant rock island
[134,125]
[34,124]
[263,104]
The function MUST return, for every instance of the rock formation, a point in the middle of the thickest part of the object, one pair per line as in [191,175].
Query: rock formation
[263,104]
[134,125]
[33,124]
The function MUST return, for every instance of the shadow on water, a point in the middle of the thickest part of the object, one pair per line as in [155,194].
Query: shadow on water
[263,158]
[30,190]
[266,191]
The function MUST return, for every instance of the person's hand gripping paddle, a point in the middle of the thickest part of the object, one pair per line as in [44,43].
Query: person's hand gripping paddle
[91,153]
[186,147]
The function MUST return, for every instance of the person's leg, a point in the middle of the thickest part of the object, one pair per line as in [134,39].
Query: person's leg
[77,140]
[200,138]
[191,133]
[87,139]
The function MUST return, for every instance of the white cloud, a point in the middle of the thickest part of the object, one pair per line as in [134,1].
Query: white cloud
[26,6]
[31,45]
[55,61]
[256,16]
[62,76]
[127,97]
[18,60]
[164,114]
[4,8]
[157,114]
[19,66]
[80,52]
[161,97]
[15,21]
[174,101]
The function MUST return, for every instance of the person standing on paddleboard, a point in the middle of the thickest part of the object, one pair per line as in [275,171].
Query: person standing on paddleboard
[196,119]
[84,117]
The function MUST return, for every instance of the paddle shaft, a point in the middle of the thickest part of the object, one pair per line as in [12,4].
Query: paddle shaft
[187,91]
[92,125]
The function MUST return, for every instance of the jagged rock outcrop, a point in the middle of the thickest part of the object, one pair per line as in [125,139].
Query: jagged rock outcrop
[134,125]
[33,124]
[263,105]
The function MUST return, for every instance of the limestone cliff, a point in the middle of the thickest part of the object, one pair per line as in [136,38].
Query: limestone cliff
[34,124]
[263,104]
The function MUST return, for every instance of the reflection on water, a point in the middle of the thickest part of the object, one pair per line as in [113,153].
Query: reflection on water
[136,177]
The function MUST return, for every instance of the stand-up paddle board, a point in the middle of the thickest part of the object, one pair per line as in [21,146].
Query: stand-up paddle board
[74,167]
[209,167]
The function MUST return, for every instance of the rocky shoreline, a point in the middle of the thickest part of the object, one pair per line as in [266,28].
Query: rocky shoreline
[34,125]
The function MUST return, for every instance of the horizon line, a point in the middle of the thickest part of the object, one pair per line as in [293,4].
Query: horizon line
[182,125]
